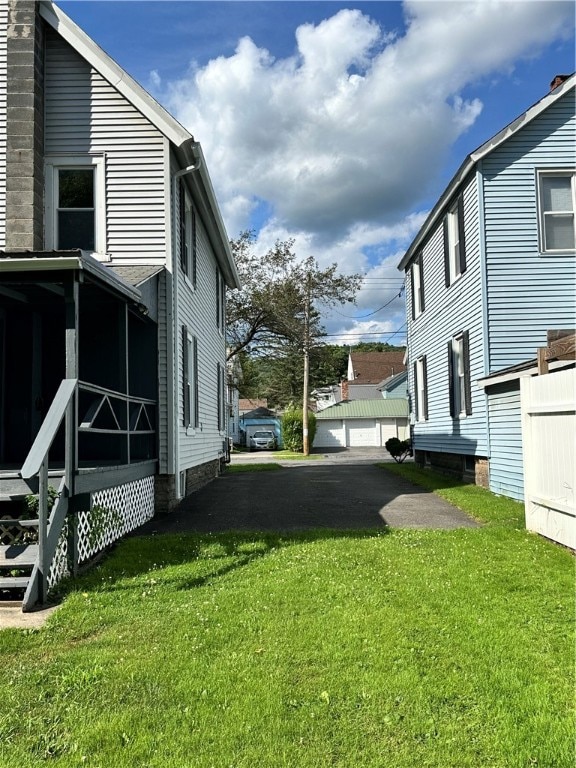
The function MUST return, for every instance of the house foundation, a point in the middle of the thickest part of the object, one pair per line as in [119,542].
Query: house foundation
[473,469]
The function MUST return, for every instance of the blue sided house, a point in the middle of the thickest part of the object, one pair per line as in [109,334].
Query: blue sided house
[489,276]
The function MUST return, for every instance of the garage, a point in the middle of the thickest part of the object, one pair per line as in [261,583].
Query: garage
[329,434]
[362,433]
[361,423]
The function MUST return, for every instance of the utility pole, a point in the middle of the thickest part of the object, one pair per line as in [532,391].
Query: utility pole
[305,442]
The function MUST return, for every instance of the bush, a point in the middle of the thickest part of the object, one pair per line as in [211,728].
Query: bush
[398,449]
[292,425]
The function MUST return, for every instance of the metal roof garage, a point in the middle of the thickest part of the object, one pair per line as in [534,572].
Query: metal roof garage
[361,423]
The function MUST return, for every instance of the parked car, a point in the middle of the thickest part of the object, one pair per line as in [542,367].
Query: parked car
[263,440]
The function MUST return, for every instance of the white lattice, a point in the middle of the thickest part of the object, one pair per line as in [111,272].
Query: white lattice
[115,512]
[59,565]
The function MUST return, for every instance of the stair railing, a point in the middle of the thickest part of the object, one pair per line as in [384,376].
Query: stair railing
[50,522]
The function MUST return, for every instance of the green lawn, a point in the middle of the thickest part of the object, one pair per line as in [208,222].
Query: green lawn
[352,649]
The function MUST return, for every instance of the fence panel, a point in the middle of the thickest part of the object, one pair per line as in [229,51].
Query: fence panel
[548,437]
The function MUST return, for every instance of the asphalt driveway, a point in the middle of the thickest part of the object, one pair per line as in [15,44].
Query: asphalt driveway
[341,493]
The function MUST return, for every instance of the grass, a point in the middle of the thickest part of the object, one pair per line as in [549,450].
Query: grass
[266,467]
[389,649]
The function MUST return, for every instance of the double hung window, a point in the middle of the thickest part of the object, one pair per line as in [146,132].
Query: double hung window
[417,284]
[557,207]
[454,242]
[190,378]
[421,389]
[75,205]
[220,301]
[187,235]
[459,375]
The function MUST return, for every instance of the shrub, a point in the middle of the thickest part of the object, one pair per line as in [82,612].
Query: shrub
[292,425]
[398,449]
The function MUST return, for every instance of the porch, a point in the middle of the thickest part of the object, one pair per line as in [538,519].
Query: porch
[78,397]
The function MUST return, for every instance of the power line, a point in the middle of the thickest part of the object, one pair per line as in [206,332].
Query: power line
[369,333]
[361,317]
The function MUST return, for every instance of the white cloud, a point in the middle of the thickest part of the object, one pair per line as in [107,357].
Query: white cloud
[353,127]
[341,141]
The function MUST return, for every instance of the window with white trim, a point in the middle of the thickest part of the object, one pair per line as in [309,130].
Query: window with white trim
[75,203]
[557,208]
[459,375]
[454,242]
[190,378]
[421,389]
[220,301]
[187,234]
[417,283]
[220,383]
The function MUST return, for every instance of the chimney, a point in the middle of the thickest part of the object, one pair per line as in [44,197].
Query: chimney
[24,127]
[558,80]
[344,389]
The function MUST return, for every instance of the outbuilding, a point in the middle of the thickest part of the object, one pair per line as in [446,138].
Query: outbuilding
[361,423]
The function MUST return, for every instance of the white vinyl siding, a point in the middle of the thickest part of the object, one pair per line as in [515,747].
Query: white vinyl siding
[85,114]
[3,85]
[196,310]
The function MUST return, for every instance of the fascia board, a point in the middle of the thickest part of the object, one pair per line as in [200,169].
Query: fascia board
[112,72]
[491,381]
[474,157]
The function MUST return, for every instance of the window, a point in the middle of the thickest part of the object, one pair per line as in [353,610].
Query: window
[421,389]
[220,301]
[454,242]
[75,204]
[190,378]
[557,206]
[417,282]
[459,375]
[187,234]
[220,383]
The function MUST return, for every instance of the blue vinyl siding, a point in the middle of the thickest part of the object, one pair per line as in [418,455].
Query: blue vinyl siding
[527,293]
[448,311]
[506,469]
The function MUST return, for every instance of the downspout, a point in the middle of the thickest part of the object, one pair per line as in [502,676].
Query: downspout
[484,289]
[192,147]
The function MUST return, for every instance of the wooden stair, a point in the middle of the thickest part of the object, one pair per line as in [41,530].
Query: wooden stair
[17,556]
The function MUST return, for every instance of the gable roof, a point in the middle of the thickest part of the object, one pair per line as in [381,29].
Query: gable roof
[393,381]
[366,409]
[474,157]
[373,367]
[188,150]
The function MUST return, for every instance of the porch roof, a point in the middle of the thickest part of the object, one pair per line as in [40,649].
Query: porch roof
[49,261]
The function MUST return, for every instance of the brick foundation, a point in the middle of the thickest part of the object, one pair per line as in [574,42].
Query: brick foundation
[166,490]
[455,464]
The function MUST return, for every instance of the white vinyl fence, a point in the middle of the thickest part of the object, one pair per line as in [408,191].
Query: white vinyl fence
[548,437]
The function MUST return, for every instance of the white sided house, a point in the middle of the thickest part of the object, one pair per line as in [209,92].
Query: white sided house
[490,275]
[114,263]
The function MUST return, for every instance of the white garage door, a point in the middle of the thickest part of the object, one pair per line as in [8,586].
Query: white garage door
[329,434]
[362,433]
[388,429]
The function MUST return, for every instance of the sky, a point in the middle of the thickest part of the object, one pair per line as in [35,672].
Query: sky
[338,124]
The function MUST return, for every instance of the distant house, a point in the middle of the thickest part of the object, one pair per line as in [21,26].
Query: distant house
[248,404]
[257,419]
[361,423]
[395,386]
[366,371]
[488,276]
[114,264]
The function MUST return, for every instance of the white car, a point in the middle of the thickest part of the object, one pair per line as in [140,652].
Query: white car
[263,440]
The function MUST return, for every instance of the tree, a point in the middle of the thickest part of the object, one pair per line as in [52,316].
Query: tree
[280,297]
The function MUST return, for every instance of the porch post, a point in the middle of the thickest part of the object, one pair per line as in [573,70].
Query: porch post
[43,512]
[71,299]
